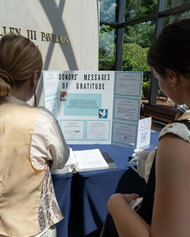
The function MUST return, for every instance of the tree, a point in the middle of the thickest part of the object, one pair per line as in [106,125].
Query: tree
[134,59]
[139,8]
[108,10]
[107,48]
[141,34]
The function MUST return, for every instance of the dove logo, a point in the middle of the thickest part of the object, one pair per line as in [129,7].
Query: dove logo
[103,113]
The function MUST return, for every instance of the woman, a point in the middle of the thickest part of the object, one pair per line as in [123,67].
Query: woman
[30,144]
[169,57]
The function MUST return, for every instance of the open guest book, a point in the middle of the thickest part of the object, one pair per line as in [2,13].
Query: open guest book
[86,160]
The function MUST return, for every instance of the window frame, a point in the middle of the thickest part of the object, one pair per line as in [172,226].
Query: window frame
[120,25]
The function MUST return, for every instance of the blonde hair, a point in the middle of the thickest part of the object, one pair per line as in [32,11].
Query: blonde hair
[19,58]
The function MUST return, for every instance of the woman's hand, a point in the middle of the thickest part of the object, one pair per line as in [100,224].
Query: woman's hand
[130,197]
[116,198]
[127,221]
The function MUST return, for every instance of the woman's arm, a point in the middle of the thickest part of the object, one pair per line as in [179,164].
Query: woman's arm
[48,143]
[171,214]
[58,149]
[127,222]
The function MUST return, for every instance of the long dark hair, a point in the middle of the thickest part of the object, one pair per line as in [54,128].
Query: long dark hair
[171,50]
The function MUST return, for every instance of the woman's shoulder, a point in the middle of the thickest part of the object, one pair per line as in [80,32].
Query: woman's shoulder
[45,115]
[178,127]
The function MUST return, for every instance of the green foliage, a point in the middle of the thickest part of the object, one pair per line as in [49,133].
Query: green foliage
[137,38]
[106,62]
[134,59]
[175,3]
[107,41]
[139,8]
[141,34]
[107,10]
[107,48]
[145,88]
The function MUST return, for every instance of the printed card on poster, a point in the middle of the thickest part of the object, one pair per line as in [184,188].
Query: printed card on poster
[126,108]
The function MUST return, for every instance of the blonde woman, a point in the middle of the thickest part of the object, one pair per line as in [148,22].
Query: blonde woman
[30,144]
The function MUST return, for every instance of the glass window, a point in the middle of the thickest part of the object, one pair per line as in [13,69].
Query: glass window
[107,48]
[139,8]
[176,17]
[137,40]
[108,10]
[176,3]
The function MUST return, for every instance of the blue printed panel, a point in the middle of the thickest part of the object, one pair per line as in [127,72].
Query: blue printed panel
[82,104]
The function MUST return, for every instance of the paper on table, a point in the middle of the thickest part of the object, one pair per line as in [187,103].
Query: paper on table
[85,160]
[90,160]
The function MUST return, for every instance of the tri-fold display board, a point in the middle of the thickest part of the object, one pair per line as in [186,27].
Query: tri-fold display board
[97,107]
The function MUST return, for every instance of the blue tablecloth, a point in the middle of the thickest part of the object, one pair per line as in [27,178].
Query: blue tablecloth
[62,186]
[90,191]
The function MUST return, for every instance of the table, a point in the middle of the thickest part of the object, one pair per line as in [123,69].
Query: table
[90,191]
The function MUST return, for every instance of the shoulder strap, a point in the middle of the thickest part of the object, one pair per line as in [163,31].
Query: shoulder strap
[145,210]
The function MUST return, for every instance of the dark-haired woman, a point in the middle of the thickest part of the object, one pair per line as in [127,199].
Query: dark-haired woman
[169,58]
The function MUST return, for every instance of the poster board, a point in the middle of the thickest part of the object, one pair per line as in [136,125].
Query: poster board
[95,107]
